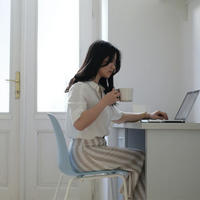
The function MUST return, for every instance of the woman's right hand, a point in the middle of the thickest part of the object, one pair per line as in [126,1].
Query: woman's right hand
[111,97]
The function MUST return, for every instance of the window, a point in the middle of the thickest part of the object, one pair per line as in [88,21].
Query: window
[57,52]
[5,54]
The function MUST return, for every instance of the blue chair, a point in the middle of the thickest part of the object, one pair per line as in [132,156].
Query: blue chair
[66,168]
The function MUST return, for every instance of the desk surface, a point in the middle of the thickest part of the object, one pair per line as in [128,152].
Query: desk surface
[172,158]
[172,162]
[139,125]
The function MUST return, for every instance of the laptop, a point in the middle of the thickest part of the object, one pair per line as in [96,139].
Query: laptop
[183,111]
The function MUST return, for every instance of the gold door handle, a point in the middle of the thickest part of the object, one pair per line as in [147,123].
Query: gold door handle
[16,81]
[17,84]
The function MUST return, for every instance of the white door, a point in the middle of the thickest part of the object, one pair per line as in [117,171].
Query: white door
[28,157]
[45,62]
[9,106]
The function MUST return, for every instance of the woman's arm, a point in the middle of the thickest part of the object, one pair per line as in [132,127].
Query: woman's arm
[89,116]
[133,117]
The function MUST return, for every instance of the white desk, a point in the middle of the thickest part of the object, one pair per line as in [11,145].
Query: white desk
[172,157]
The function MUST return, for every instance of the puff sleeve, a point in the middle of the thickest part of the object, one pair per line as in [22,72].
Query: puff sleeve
[116,113]
[76,101]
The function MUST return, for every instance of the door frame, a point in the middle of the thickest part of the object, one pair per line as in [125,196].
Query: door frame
[22,136]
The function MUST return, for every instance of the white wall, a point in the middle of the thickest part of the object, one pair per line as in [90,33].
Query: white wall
[148,33]
[191,55]
[160,53]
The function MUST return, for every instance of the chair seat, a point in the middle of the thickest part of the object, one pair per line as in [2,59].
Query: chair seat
[80,174]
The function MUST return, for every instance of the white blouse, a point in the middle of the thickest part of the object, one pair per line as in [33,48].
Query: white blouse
[83,96]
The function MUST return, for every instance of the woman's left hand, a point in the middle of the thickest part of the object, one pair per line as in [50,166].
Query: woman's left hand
[158,115]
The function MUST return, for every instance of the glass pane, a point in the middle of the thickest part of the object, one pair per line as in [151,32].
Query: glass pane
[4,54]
[57,53]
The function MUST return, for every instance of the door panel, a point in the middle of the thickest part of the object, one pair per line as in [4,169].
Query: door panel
[28,157]
[9,118]
[41,170]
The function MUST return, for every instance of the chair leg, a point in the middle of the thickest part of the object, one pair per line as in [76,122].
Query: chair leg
[110,180]
[68,187]
[58,186]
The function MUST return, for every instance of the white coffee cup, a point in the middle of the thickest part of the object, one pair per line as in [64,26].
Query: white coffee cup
[126,94]
[141,108]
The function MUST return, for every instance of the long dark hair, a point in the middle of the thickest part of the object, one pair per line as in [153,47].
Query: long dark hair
[97,52]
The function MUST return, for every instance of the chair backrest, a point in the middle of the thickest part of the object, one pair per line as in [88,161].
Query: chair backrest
[62,151]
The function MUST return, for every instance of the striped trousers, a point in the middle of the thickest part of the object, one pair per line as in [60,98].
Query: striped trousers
[91,155]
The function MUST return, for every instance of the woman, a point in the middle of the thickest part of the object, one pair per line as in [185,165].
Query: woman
[91,108]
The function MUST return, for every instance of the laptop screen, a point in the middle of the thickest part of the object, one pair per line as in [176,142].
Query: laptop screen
[187,105]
